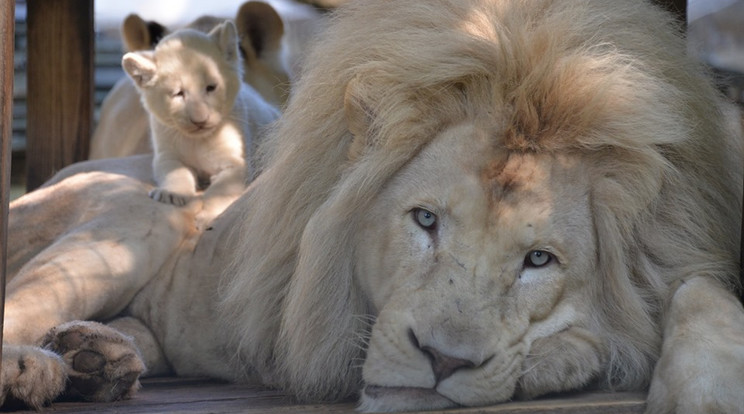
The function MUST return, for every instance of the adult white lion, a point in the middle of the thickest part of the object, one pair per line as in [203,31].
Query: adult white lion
[465,202]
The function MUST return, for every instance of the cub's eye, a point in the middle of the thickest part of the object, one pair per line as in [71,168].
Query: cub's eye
[425,218]
[538,258]
[179,93]
[211,88]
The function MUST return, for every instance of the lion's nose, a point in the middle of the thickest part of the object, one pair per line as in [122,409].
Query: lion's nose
[442,364]
[445,365]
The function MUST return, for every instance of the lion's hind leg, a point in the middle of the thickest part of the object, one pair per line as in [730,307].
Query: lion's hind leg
[102,363]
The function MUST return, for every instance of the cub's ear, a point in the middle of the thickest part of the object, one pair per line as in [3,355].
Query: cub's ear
[226,37]
[260,29]
[139,34]
[141,67]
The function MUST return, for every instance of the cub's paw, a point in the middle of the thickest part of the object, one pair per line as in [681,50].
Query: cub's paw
[164,196]
[102,363]
[203,220]
[31,375]
[205,217]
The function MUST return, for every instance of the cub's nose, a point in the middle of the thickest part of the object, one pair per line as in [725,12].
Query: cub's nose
[442,364]
[199,123]
[198,113]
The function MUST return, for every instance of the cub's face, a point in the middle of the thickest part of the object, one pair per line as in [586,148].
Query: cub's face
[479,266]
[191,80]
[192,94]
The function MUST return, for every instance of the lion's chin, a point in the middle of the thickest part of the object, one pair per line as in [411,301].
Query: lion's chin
[377,398]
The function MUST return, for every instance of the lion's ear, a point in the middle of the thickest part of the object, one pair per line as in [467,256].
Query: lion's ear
[139,34]
[260,29]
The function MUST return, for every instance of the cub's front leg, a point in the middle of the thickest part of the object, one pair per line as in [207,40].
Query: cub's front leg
[176,182]
[701,367]
[225,187]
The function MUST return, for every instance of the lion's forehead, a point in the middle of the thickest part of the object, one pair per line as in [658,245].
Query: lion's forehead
[528,186]
[514,171]
[496,205]
[493,189]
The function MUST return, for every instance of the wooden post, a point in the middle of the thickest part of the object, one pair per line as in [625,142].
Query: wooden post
[7,30]
[679,7]
[60,86]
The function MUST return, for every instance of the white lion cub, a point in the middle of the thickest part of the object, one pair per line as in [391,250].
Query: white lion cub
[204,120]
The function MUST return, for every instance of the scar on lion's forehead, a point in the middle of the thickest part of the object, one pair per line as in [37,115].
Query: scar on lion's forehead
[510,173]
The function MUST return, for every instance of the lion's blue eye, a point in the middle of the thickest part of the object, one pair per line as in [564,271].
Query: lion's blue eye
[425,218]
[211,88]
[537,258]
[179,94]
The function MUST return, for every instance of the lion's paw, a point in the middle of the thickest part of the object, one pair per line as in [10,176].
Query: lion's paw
[701,366]
[697,383]
[103,364]
[168,197]
[702,376]
[31,375]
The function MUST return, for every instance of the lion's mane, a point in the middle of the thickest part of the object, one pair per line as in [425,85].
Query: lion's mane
[607,79]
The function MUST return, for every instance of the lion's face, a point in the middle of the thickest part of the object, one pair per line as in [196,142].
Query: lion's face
[478,263]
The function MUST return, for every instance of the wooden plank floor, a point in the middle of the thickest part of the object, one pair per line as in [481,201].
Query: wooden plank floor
[184,395]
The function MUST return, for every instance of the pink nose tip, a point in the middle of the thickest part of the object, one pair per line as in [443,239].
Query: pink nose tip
[445,365]
[442,364]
